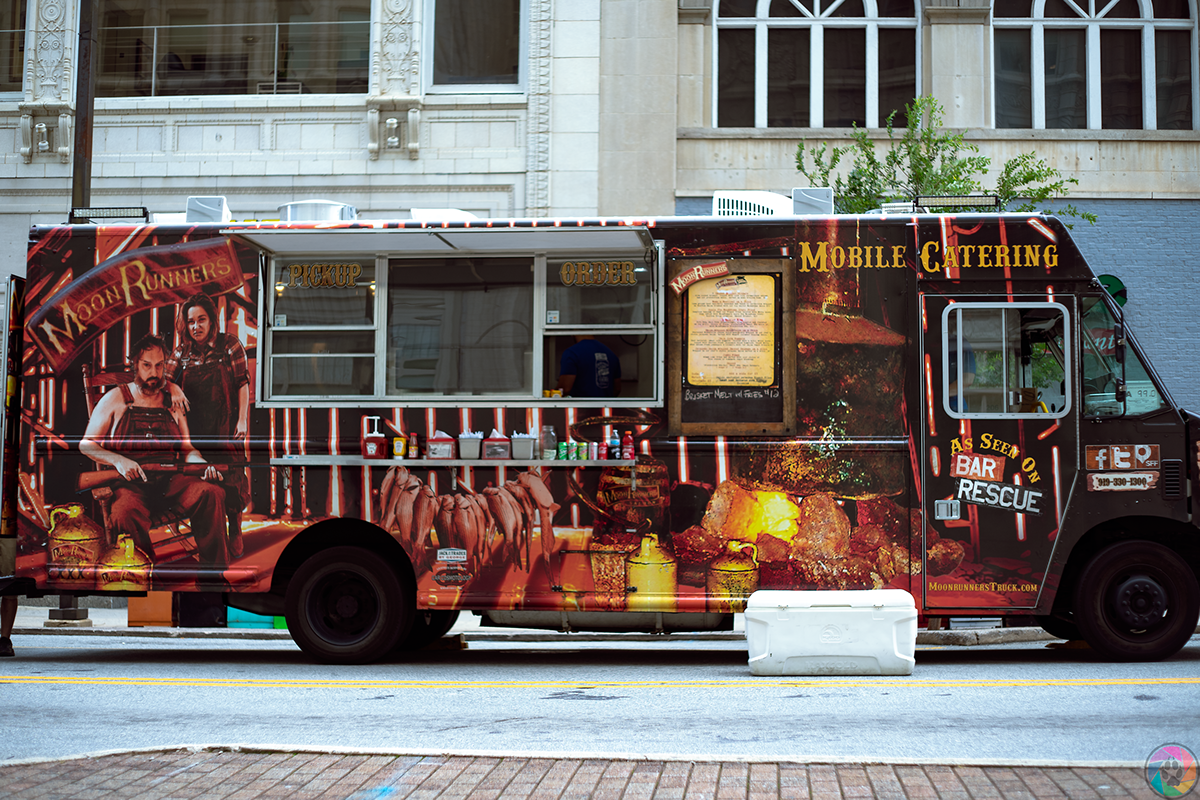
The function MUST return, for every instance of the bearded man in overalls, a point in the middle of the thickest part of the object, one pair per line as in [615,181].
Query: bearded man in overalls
[136,424]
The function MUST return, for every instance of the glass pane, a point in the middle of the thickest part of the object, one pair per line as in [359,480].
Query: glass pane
[1173,79]
[635,356]
[787,8]
[1060,9]
[735,79]
[848,8]
[322,375]
[897,73]
[1011,8]
[12,44]
[1014,79]
[1121,79]
[896,8]
[331,294]
[460,326]
[1101,370]
[1171,9]
[322,57]
[736,8]
[476,41]
[1012,360]
[599,292]
[1124,9]
[978,361]
[1141,395]
[845,77]
[126,60]
[787,78]
[1066,83]
[322,342]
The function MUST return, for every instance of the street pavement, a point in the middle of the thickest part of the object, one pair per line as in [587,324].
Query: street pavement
[223,772]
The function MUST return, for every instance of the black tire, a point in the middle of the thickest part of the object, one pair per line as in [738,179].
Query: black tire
[346,605]
[428,626]
[1059,628]
[1137,601]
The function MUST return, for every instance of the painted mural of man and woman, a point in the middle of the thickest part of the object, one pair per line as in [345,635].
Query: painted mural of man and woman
[152,430]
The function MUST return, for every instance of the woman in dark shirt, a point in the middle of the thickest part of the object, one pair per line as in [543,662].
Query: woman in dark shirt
[210,367]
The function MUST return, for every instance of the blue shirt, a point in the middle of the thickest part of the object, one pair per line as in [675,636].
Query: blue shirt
[595,367]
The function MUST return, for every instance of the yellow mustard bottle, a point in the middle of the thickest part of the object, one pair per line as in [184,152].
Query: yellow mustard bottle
[653,575]
[732,578]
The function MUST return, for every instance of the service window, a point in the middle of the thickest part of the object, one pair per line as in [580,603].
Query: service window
[1115,381]
[1006,360]
[482,329]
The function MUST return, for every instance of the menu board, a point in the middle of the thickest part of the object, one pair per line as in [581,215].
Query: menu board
[730,353]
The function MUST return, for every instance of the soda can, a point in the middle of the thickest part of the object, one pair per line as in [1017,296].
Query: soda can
[581,451]
[602,451]
[593,451]
[562,451]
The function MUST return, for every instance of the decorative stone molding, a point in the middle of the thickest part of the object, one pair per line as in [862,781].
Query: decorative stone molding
[396,77]
[393,123]
[50,67]
[695,12]
[957,12]
[537,158]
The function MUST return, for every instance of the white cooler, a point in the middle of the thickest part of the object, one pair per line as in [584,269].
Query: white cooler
[868,632]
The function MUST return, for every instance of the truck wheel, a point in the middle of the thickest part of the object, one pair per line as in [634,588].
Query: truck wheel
[1137,601]
[428,626]
[345,605]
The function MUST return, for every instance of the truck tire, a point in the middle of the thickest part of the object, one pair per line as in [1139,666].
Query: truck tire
[346,605]
[428,626]
[1137,601]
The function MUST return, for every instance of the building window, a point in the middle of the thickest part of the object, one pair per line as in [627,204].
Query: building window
[814,63]
[12,45]
[476,45]
[154,48]
[1095,64]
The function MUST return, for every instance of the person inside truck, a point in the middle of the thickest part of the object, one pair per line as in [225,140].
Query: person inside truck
[589,369]
[210,367]
[137,430]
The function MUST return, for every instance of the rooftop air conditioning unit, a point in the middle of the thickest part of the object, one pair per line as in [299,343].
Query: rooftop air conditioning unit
[812,200]
[207,209]
[751,204]
[317,211]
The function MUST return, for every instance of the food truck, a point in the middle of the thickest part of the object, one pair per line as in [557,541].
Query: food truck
[361,426]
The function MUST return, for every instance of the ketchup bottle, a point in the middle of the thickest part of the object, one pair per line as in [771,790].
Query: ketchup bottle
[627,446]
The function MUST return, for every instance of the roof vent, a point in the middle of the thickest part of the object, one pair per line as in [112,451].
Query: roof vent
[751,204]
[812,200]
[317,211]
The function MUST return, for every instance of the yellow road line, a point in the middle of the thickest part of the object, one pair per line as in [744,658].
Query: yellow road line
[751,683]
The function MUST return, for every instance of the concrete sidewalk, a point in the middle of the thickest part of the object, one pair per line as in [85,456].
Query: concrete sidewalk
[231,774]
[114,622]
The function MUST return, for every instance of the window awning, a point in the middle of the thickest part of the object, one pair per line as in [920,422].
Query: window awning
[574,240]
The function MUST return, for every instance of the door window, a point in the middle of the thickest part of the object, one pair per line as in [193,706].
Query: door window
[1006,360]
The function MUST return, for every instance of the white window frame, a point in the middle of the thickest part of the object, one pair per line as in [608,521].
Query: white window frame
[762,22]
[1092,19]
[427,42]
[947,345]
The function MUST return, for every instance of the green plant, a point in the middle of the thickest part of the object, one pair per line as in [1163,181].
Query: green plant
[926,159]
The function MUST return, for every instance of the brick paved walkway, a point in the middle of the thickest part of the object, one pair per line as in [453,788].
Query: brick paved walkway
[225,775]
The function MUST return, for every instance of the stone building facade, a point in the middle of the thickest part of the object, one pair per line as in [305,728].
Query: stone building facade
[608,107]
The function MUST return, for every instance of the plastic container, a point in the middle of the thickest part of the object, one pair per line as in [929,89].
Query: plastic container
[469,446]
[865,632]
[236,618]
[522,448]
[497,448]
[439,448]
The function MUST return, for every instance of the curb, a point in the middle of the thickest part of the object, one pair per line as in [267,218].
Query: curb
[958,638]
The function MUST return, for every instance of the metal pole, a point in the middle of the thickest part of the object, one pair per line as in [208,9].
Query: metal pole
[85,102]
